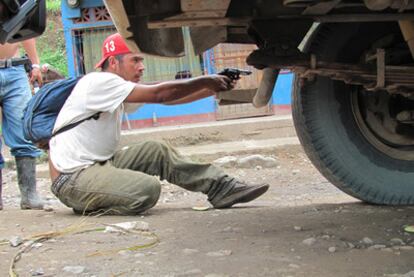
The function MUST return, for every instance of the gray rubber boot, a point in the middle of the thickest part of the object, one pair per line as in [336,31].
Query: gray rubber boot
[26,177]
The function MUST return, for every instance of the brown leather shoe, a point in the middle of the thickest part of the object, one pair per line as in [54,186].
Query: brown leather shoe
[240,193]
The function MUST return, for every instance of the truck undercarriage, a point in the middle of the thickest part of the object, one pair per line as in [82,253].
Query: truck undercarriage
[353,101]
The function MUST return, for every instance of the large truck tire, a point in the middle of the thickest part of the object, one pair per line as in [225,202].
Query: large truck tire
[339,125]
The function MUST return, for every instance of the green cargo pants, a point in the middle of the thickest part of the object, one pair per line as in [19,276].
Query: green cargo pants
[127,183]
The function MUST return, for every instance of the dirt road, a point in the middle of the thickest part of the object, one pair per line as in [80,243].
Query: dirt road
[303,226]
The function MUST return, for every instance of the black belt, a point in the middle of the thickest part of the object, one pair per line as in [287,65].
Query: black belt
[59,182]
[5,63]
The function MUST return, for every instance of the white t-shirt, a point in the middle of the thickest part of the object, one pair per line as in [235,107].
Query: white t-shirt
[92,140]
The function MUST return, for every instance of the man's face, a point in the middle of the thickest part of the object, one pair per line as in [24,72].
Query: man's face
[131,67]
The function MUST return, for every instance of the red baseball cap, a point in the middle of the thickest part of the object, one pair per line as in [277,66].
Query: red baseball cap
[112,46]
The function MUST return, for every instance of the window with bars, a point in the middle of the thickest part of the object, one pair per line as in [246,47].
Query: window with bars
[87,47]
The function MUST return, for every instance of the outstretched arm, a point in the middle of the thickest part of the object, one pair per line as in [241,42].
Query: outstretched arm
[180,90]
[192,97]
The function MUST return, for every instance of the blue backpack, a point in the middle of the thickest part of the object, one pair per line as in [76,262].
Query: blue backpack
[43,108]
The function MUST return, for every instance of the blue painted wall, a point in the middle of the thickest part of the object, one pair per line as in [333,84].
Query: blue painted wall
[206,105]
[283,88]
[68,14]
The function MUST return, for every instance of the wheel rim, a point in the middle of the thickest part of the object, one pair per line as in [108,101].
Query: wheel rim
[376,116]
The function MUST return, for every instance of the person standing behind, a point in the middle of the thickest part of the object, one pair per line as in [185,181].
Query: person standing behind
[15,92]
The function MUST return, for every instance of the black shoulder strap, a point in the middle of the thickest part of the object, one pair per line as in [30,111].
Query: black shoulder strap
[70,126]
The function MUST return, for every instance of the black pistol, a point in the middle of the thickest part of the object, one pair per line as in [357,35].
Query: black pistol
[234,73]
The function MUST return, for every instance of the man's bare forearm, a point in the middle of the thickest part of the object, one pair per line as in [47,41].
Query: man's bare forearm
[192,97]
[179,89]
[30,48]
[167,92]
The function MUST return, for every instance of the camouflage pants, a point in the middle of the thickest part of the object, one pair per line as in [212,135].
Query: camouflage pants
[128,183]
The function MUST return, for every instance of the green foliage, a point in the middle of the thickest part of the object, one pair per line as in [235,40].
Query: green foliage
[51,45]
[56,58]
[53,6]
